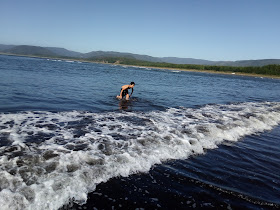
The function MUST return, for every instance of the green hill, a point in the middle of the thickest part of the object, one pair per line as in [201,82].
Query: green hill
[136,58]
[30,50]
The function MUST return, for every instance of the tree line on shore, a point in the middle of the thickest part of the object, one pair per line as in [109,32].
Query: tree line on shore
[273,69]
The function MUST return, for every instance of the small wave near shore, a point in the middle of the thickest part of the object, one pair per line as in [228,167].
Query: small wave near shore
[50,158]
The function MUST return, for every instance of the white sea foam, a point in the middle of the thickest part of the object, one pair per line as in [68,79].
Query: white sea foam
[51,158]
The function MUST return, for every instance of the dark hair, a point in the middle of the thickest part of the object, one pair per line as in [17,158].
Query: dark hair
[132,83]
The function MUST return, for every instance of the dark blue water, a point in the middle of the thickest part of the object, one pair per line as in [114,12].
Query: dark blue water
[184,140]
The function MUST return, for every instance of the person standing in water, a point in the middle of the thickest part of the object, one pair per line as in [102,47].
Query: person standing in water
[124,91]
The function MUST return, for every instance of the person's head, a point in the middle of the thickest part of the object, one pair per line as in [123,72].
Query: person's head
[132,83]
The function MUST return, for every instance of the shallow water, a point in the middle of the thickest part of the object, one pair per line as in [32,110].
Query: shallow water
[184,140]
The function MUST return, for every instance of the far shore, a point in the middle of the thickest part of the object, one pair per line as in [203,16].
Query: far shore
[227,73]
[166,68]
[201,71]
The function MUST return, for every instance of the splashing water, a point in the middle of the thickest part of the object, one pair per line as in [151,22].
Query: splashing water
[49,158]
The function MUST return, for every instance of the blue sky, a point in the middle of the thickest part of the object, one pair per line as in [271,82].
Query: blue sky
[203,29]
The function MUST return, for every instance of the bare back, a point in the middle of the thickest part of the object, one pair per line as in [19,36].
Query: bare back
[125,87]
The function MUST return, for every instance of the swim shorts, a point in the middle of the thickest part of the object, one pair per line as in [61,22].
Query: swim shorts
[124,92]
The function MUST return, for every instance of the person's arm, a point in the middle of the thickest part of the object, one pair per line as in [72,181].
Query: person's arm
[131,91]
[123,88]
[121,93]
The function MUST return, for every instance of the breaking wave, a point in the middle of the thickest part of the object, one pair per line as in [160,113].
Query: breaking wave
[48,159]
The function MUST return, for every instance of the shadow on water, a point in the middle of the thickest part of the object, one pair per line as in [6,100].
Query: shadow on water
[125,104]
[139,104]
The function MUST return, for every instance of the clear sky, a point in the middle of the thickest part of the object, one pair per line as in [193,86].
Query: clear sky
[203,29]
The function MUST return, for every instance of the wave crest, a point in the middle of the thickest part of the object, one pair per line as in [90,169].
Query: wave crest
[49,158]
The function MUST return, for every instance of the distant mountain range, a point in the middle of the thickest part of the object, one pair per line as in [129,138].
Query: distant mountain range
[61,52]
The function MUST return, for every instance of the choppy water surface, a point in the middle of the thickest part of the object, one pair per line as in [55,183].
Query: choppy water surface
[184,140]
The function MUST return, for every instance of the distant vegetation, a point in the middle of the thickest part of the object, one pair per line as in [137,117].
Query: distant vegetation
[264,70]
[263,67]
